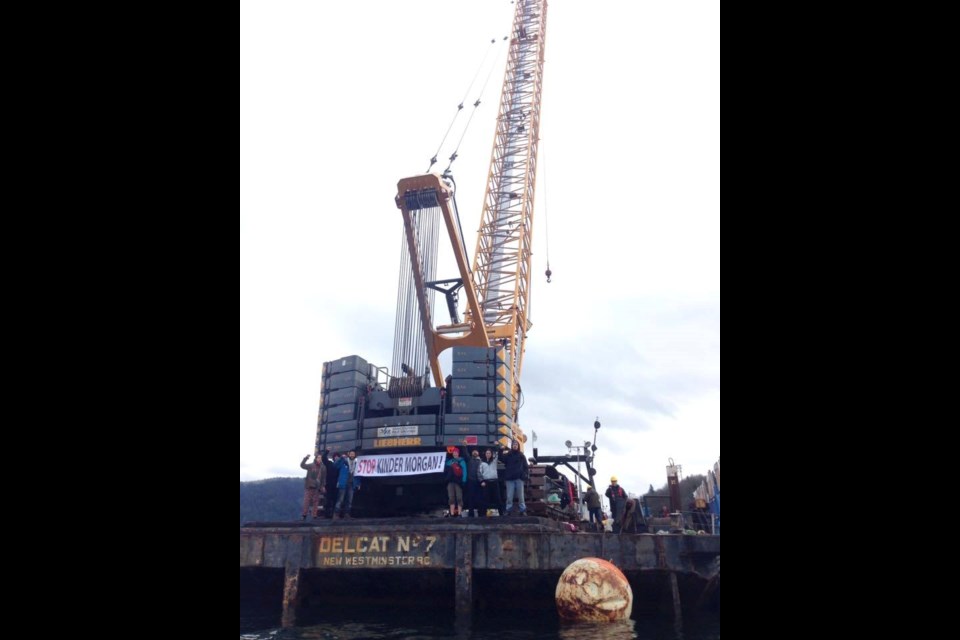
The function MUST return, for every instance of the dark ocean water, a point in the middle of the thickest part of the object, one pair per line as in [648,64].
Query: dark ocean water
[423,624]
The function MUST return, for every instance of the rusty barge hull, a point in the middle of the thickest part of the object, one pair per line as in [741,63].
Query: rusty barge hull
[462,564]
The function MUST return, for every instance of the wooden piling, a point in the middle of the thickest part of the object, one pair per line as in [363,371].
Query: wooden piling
[464,575]
[291,597]
[677,607]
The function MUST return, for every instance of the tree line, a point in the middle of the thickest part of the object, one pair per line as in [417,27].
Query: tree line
[276,500]
[656,498]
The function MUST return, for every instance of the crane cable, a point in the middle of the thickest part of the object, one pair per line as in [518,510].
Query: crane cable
[410,356]
[460,107]
[476,106]
[546,212]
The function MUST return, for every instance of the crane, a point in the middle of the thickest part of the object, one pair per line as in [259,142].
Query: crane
[402,420]
[497,285]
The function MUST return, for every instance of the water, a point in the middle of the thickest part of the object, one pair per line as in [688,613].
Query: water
[379,623]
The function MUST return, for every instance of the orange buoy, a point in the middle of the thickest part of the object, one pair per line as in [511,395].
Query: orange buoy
[593,590]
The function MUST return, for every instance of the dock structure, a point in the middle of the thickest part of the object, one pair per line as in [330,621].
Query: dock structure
[463,562]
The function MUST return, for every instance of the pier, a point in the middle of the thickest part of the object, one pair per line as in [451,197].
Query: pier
[466,564]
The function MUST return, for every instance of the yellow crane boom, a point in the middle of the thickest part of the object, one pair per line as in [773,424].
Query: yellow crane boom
[503,259]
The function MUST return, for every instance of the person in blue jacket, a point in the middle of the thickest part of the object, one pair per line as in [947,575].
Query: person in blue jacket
[347,484]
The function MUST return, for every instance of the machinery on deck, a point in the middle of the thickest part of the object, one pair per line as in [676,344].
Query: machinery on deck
[402,420]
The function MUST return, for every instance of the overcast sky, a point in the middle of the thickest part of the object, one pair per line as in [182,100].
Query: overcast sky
[339,101]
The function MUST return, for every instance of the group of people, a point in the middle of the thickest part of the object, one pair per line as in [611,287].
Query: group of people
[473,485]
[330,485]
[625,512]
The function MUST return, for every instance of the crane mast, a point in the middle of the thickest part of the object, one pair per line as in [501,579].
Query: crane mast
[503,258]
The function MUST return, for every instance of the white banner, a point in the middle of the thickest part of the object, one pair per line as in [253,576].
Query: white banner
[401,464]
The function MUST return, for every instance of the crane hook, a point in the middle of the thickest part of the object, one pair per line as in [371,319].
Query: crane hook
[549,275]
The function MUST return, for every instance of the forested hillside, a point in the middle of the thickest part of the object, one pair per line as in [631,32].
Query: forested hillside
[276,500]
[657,498]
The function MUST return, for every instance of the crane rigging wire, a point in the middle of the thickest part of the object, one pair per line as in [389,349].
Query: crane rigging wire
[476,106]
[460,107]
[410,359]
[546,210]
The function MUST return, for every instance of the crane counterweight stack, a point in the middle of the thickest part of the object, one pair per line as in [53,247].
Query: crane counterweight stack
[416,408]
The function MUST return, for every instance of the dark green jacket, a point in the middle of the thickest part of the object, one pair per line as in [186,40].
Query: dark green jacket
[593,499]
[316,474]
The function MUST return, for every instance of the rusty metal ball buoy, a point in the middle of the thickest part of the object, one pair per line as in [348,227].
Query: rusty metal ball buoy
[593,590]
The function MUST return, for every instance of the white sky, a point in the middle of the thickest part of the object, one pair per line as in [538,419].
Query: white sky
[338,101]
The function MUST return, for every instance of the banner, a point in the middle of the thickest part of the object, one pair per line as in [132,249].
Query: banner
[401,464]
